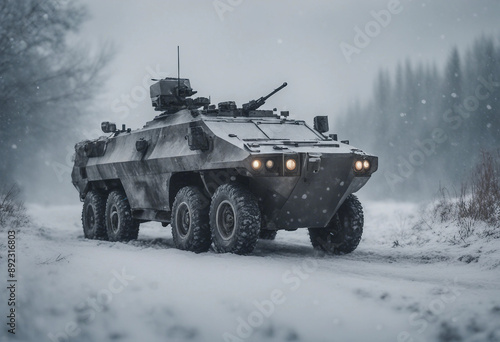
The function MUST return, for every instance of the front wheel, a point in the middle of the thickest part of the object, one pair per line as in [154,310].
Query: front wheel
[119,222]
[235,219]
[343,233]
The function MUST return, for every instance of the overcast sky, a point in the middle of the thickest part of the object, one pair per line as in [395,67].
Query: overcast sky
[239,50]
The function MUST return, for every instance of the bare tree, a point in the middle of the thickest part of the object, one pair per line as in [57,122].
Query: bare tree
[46,82]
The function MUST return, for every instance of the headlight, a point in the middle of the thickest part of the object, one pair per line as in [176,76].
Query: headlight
[366,164]
[358,165]
[269,164]
[291,164]
[256,164]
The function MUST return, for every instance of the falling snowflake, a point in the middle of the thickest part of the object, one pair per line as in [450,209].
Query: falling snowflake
[424,101]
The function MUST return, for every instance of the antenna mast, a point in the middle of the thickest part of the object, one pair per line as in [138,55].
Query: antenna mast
[178,69]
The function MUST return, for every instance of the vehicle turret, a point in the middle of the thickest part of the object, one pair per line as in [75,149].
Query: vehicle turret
[170,95]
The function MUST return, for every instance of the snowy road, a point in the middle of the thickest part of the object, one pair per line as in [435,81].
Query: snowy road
[72,289]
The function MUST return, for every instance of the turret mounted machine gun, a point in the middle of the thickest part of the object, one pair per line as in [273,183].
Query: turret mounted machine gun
[256,104]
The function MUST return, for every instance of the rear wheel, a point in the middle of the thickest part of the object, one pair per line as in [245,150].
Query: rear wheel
[343,233]
[119,222]
[190,226]
[93,216]
[234,219]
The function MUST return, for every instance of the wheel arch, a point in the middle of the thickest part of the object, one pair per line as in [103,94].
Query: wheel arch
[181,179]
[107,185]
[208,181]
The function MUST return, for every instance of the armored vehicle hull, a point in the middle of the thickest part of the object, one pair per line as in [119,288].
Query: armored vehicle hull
[224,176]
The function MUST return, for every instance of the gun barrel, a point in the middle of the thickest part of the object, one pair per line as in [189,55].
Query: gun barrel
[255,104]
[275,91]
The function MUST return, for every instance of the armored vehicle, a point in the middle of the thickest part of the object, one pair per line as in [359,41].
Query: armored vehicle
[221,176]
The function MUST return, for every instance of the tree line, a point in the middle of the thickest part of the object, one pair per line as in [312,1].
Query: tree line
[428,124]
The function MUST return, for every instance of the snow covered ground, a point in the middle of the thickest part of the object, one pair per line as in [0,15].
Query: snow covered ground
[73,289]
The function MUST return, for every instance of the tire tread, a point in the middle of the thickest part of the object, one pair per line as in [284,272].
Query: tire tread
[247,207]
[351,236]
[98,201]
[130,229]
[201,238]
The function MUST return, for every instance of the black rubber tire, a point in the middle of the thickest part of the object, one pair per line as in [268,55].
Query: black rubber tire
[343,233]
[190,226]
[93,216]
[267,234]
[119,222]
[238,235]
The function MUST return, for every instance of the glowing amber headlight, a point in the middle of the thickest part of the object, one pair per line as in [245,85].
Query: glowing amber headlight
[269,164]
[291,164]
[256,164]
[366,164]
[358,165]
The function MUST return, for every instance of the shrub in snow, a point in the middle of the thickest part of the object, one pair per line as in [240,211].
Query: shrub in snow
[12,210]
[475,211]
[480,196]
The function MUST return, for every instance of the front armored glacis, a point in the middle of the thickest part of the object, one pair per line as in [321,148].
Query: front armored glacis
[222,176]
